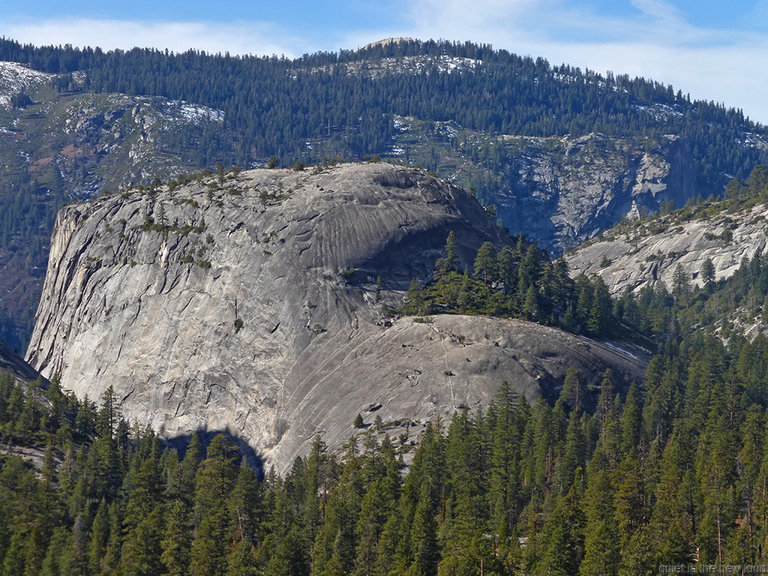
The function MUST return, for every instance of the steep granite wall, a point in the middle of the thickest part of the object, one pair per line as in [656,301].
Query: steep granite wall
[565,190]
[248,303]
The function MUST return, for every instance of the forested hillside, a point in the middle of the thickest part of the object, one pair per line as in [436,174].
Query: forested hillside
[344,102]
[594,480]
[603,481]
[711,254]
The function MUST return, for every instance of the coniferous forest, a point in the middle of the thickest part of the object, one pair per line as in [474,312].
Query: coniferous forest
[275,106]
[345,105]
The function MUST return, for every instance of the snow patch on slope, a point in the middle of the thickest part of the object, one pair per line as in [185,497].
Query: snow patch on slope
[15,78]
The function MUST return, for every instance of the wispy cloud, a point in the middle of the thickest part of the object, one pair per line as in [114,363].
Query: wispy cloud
[659,10]
[236,38]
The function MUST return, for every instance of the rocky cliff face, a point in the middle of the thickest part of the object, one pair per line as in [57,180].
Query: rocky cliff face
[11,363]
[59,145]
[637,255]
[559,190]
[566,190]
[59,141]
[249,303]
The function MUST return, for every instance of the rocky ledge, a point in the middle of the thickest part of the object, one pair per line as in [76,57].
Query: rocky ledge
[636,255]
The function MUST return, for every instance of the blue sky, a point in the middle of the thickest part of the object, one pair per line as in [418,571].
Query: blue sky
[714,50]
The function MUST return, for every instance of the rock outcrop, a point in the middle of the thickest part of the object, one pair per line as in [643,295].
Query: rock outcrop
[11,363]
[637,255]
[566,190]
[251,302]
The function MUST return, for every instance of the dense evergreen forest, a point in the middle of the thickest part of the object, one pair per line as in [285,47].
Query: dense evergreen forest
[518,282]
[312,107]
[612,481]
[608,481]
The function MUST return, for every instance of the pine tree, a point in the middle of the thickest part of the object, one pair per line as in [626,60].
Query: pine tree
[245,504]
[601,549]
[574,453]
[573,393]
[631,420]
[195,454]
[175,542]
[504,483]
[99,538]
[424,536]
[507,269]
[671,528]
[414,301]
[531,309]
[563,535]
[141,550]
[75,558]
[112,556]
[208,555]
[715,476]
[630,499]
[242,560]
[584,304]
[215,477]
[486,264]
[680,285]
[605,402]
[708,275]
[449,263]
[109,415]
[528,271]
[375,507]
[600,321]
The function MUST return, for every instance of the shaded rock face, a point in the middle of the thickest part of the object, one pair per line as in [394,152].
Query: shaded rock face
[638,256]
[11,362]
[248,303]
[567,189]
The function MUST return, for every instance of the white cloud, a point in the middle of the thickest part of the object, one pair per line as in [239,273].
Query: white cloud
[658,9]
[236,38]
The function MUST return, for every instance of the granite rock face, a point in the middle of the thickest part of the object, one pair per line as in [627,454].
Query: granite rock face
[11,363]
[252,303]
[566,190]
[633,257]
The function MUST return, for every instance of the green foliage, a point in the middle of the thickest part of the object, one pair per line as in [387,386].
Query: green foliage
[615,483]
[313,108]
[486,264]
[520,282]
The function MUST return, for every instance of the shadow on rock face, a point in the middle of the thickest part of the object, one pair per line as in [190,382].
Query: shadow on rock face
[252,458]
